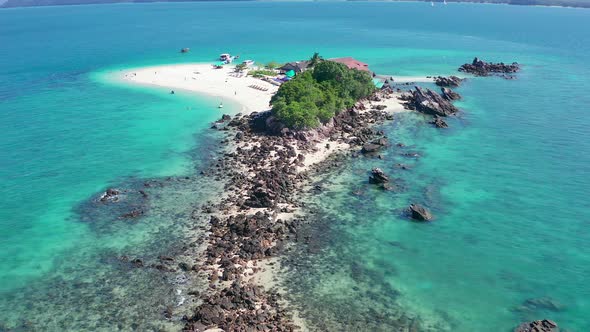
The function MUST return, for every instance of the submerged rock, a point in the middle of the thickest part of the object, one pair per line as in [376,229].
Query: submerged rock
[375,146]
[544,325]
[418,212]
[449,94]
[542,303]
[438,122]
[133,214]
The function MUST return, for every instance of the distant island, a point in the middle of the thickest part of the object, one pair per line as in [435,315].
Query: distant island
[34,3]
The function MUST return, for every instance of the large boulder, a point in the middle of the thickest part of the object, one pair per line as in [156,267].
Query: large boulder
[544,325]
[420,213]
[429,102]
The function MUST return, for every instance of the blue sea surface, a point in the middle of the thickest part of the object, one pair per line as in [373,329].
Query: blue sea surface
[508,182]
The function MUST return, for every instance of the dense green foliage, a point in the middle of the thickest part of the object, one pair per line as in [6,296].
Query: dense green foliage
[315,96]
[262,72]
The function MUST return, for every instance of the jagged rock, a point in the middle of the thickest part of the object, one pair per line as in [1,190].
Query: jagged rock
[452,81]
[429,102]
[438,122]
[482,68]
[377,176]
[544,325]
[225,117]
[449,94]
[418,212]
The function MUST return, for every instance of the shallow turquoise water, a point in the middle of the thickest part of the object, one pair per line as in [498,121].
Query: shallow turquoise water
[508,182]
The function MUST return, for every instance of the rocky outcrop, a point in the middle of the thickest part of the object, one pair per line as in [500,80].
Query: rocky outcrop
[420,213]
[544,325]
[481,68]
[449,94]
[451,81]
[428,102]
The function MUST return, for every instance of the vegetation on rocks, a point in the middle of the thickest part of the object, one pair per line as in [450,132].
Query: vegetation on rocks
[318,94]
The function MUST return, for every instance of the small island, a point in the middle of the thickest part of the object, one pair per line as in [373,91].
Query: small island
[296,120]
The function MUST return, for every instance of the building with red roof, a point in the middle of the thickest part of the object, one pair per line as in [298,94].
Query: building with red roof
[352,63]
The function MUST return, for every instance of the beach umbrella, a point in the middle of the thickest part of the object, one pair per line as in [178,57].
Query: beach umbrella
[290,73]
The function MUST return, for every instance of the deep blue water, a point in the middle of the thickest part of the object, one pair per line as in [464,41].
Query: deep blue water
[508,182]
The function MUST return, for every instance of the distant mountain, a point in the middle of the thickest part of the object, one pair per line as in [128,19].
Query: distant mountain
[34,3]
[31,3]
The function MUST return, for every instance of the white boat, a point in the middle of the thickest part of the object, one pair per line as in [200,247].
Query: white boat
[224,56]
[248,62]
[220,105]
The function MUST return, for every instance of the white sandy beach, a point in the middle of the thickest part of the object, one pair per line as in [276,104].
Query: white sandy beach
[222,83]
[202,78]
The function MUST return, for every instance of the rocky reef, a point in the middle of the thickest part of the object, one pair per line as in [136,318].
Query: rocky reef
[263,170]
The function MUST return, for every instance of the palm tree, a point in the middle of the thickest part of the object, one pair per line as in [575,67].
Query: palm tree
[240,67]
[315,59]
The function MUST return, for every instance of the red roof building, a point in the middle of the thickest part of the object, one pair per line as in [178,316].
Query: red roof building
[352,63]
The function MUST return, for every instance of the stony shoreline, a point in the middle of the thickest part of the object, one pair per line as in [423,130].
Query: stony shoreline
[263,172]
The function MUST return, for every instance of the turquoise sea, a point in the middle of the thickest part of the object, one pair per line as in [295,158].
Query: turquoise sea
[508,182]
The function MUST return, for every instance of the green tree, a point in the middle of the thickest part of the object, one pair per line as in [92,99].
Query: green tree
[315,96]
